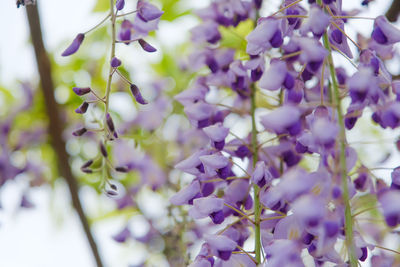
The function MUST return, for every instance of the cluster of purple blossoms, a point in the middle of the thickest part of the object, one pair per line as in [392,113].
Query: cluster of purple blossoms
[288,86]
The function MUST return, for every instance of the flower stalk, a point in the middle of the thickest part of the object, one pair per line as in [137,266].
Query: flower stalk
[336,101]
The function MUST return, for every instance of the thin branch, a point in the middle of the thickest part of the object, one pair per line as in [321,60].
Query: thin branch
[55,126]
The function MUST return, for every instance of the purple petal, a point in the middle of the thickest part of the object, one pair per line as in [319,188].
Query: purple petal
[273,78]
[186,194]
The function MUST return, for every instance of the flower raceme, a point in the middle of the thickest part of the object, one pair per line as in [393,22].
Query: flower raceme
[289,86]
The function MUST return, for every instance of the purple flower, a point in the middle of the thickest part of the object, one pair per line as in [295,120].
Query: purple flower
[384,32]
[261,175]
[147,11]
[208,206]
[214,163]
[199,113]
[79,132]
[312,53]
[138,96]
[221,246]
[120,4]
[285,119]
[74,46]
[81,91]
[283,252]
[125,31]
[192,164]
[338,39]
[115,62]
[206,32]
[309,210]
[389,200]
[324,132]
[317,22]
[217,133]
[26,203]
[82,108]
[362,84]
[146,46]
[266,35]
[274,77]
[187,194]
[122,236]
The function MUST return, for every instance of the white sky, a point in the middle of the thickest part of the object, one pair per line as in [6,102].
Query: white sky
[50,235]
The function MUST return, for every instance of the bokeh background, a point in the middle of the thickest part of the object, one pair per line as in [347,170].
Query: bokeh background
[49,234]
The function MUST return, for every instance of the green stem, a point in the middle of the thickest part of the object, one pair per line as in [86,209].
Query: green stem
[342,143]
[254,145]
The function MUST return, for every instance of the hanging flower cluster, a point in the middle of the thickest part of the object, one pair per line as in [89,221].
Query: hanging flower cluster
[146,18]
[287,93]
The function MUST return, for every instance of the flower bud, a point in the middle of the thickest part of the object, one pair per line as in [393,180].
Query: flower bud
[115,62]
[79,132]
[103,150]
[82,108]
[146,46]
[74,46]
[110,123]
[138,96]
[87,164]
[81,91]
[120,4]
[121,169]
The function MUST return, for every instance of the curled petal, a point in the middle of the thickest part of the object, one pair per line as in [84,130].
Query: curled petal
[148,11]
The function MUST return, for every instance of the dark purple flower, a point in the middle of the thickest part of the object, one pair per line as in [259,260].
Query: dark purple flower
[82,108]
[208,207]
[79,132]
[217,133]
[146,46]
[261,175]
[259,40]
[103,150]
[115,62]
[110,123]
[125,31]
[81,90]
[138,96]
[74,46]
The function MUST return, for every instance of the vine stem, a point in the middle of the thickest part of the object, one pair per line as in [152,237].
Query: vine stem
[257,207]
[108,87]
[342,158]
[55,125]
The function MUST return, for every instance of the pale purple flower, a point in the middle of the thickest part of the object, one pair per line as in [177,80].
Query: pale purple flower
[389,201]
[221,245]
[192,164]
[266,35]
[285,119]
[274,77]
[338,39]
[309,210]
[261,175]
[122,236]
[283,252]
[147,11]
[214,163]
[208,206]
[206,32]
[187,194]
[317,22]
[217,134]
